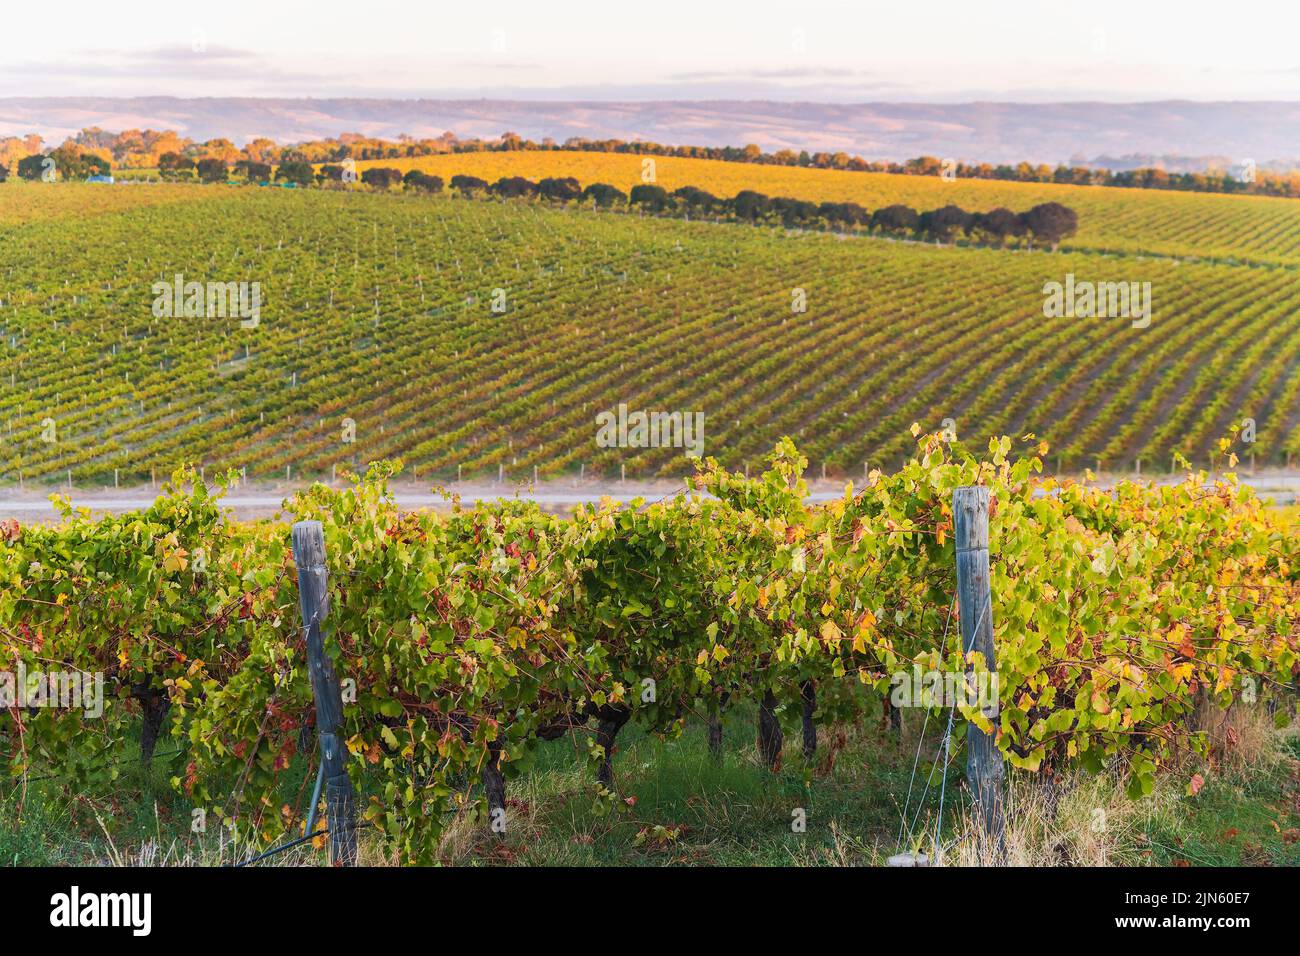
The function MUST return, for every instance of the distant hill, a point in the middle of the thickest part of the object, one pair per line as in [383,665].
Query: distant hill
[1184,135]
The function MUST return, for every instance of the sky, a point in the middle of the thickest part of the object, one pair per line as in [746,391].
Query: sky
[866,51]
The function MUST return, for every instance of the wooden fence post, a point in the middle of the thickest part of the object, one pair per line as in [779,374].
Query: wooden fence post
[313,599]
[984,767]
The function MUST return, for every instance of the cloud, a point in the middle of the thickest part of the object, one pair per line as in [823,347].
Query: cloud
[791,73]
[176,53]
[215,70]
[188,65]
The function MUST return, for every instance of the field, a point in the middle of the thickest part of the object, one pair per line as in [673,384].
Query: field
[1245,229]
[380,309]
[1146,635]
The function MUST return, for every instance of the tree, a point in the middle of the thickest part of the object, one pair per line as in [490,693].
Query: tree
[222,149]
[924,166]
[95,165]
[750,205]
[31,167]
[1051,222]
[846,213]
[70,162]
[261,150]
[996,224]
[170,164]
[381,177]
[653,198]
[4,172]
[895,218]
[422,182]
[943,222]
[468,185]
[695,198]
[212,170]
[794,212]
[563,190]
[603,194]
[514,187]
[298,173]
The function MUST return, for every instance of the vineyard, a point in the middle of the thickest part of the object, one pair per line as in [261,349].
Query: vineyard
[481,338]
[1255,230]
[470,639]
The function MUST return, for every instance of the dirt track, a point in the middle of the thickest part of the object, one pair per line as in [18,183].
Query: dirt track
[263,501]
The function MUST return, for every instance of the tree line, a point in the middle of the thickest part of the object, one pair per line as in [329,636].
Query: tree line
[1047,223]
[143,149]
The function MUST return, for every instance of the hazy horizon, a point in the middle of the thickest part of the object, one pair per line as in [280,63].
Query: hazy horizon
[1182,134]
[1111,51]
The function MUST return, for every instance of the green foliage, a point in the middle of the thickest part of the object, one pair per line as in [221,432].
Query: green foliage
[379,309]
[498,626]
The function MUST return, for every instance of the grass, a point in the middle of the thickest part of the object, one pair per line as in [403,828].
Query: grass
[680,807]
[688,809]
[1235,822]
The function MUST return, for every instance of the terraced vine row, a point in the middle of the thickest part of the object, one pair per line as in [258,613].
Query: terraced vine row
[378,309]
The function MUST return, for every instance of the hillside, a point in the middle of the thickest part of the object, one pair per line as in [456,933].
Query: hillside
[378,309]
[1197,132]
[1133,221]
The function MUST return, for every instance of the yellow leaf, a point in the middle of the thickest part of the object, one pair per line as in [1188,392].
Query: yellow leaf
[830,632]
[915,429]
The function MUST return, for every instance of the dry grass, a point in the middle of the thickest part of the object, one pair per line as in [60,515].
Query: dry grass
[1243,739]
[1077,819]
[1074,820]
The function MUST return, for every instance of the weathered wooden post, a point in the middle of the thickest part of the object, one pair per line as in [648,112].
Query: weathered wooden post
[313,599]
[984,767]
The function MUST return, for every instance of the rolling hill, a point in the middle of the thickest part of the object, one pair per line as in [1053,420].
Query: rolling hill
[379,309]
